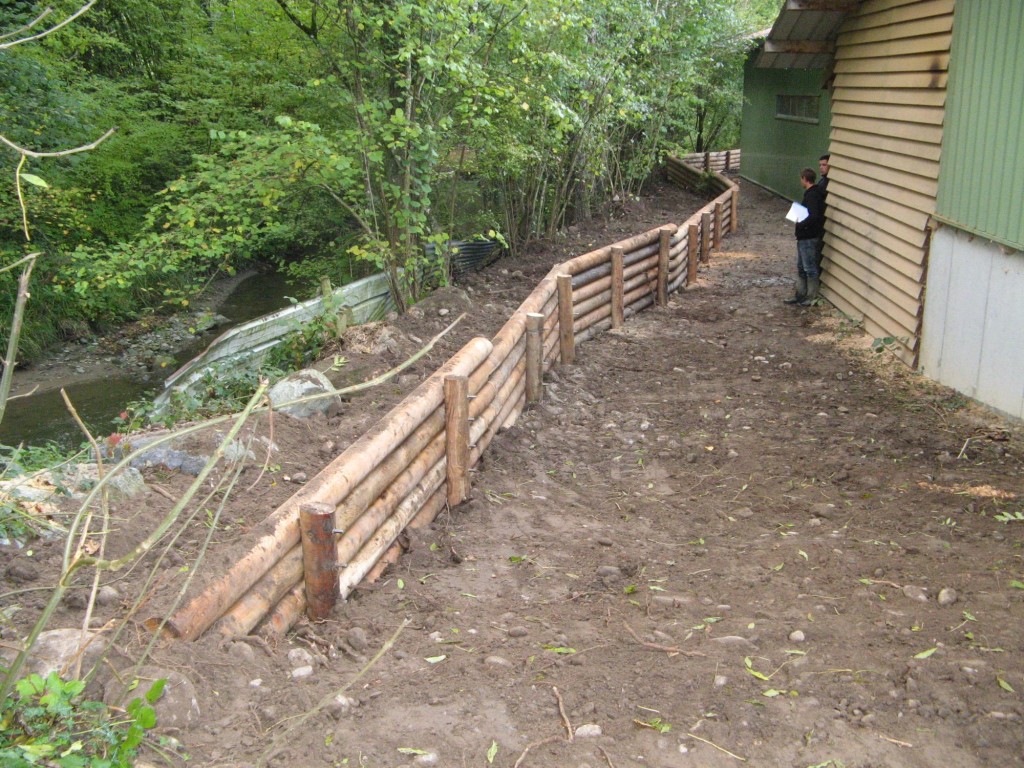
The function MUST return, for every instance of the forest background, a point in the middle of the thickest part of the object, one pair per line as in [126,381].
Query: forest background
[331,139]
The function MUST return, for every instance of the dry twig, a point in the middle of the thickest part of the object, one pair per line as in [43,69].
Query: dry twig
[671,649]
[561,711]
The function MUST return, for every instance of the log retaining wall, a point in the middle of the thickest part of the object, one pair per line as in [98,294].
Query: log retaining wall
[399,474]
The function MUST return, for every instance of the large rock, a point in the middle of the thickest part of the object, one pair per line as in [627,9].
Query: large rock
[301,384]
[80,479]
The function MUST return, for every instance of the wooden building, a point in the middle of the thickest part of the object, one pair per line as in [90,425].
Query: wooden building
[926,191]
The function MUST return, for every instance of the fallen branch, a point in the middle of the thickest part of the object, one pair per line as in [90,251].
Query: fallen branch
[720,749]
[670,649]
[533,744]
[561,712]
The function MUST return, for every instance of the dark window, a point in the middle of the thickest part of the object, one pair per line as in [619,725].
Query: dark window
[801,108]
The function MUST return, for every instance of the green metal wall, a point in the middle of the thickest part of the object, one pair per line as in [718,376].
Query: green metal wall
[775,149]
[981,176]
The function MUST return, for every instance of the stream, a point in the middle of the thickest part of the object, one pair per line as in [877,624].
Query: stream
[100,388]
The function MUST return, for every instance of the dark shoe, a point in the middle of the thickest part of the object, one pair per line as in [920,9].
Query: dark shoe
[813,286]
[799,291]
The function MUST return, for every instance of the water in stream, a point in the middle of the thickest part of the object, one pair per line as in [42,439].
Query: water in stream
[43,417]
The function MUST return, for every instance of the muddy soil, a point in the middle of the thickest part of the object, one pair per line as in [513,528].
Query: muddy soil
[731,532]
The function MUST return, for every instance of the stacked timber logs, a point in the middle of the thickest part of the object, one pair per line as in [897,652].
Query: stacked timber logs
[416,459]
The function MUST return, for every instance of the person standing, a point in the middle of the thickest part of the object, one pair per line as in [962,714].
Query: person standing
[824,165]
[808,232]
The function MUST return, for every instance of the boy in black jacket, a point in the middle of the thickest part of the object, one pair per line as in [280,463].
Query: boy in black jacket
[808,232]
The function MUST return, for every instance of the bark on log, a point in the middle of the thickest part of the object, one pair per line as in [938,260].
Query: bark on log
[566,340]
[691,262]
[664,246]
[534,356]
[319,565]
[359,564]
[617,304]
[456,428]
[250,609]
[705,235]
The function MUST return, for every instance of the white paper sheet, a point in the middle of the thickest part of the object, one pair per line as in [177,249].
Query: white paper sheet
[797,213]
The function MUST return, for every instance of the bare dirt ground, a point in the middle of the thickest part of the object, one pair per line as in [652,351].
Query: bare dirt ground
[731,533]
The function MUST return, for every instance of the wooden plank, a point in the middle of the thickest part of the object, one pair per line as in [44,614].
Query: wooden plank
[897,304]
[937,308]
[916,192]
[871,256]
[886,13]
[841,296]
[894,80]
[915,97]
[858,230]
[922,62]
[908,221]
[893,316]
[892,147]
[909,304]
[891,111]
[902,29]
[926,134]
[899,47]
[904,164]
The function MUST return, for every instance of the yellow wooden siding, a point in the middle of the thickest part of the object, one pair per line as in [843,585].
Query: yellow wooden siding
[933,26]
[886,158]
[888,103]
[884,13]
[916,97]
[921,44]
[936,80]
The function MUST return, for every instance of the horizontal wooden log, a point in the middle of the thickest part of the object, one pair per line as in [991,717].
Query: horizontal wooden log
[593,258]
[279,533]
[381,476]
[363,528]
[602,312]
[510,404]
[284,615]
[250,609]
[383,535]
[603,270]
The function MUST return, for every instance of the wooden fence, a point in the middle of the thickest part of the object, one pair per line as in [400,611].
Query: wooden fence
[416,459]
[720,162]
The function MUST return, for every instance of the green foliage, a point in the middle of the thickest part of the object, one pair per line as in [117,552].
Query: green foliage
[50,723]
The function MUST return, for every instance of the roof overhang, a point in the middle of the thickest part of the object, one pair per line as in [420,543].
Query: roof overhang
[804,34]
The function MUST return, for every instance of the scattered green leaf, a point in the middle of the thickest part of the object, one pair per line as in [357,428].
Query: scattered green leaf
[925,654]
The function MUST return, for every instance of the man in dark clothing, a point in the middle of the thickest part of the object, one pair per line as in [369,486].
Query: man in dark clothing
[824,165]
[808,232]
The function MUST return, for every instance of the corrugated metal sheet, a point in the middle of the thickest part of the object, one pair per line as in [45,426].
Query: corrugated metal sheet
[886,139]
[981,185]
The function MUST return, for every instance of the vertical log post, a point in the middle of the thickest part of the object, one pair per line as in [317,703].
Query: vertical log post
[734,215]
[566,337]
[319,559]
[728,157]
[707,161]
[534,356]
[618,310]
[456,429]
[718,226]
[664,244]
[705,235]
[692,241]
